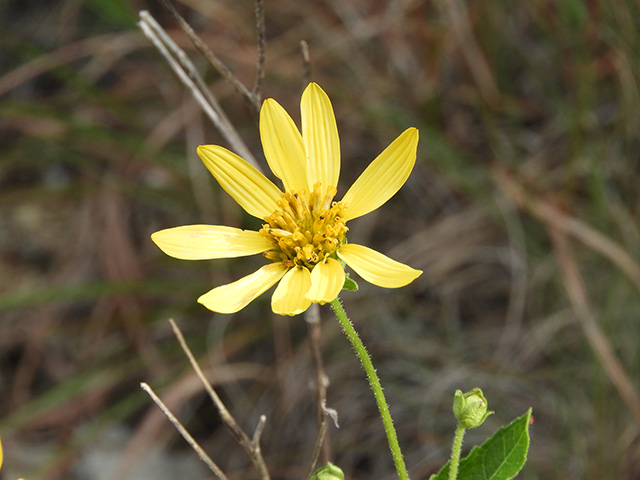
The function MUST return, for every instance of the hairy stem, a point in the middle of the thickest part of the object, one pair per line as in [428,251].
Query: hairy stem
[455,452]
[374,381]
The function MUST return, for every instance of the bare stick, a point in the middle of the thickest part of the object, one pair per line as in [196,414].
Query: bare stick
[306,63]
[255,440]
[211,57]
[262,41]
[312,318]
[185,434]
[253,450]
[188,75]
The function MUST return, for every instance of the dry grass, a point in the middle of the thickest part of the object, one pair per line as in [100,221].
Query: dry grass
[526,188]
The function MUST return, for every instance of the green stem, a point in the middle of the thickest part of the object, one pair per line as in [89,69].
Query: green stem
[455,452]
[374,381]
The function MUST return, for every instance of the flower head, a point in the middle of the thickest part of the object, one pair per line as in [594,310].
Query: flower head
[471,408]
[304,229]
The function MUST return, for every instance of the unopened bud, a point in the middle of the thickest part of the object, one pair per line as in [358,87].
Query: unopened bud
[328,472]
[470,408]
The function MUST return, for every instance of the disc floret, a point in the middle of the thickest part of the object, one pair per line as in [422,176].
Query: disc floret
[305,229]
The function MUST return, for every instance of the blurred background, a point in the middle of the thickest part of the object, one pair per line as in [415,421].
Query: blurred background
[521,210]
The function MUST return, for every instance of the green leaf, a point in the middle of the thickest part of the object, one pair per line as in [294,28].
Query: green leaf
[501,457]
[349,284]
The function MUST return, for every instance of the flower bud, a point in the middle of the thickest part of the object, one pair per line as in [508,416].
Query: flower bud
[470,408]
[328,472]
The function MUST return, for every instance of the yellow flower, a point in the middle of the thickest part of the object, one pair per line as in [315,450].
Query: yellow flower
[304,236]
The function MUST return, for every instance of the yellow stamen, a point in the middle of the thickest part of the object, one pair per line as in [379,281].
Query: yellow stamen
[306,228]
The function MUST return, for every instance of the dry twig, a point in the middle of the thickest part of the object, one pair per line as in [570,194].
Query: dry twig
[256,93]
[250,445]
[185,434]
[312,317]
[188,75]
[306,63]
[212,58]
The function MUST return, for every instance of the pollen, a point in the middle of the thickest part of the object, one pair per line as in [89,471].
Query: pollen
[306,228]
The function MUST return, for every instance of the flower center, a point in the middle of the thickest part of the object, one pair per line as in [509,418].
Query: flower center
[305,229]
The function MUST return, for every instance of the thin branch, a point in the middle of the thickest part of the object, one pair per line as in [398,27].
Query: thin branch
[188,75]
[185,434]
[306,63]
[211,57]
[255,440]
[253,451]
[312,318]
[262,41]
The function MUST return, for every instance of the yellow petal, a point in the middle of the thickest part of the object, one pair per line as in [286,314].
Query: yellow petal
[289,296]
[283,147]
[205,242]
[235,296]
[377,268]
[383,177]
[1,454]
[327,279]
[320,136]
[251,189]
